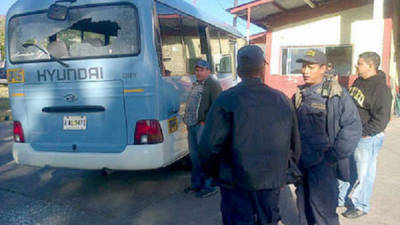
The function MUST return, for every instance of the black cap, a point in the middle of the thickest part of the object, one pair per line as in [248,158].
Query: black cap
[313,56]
[250,57]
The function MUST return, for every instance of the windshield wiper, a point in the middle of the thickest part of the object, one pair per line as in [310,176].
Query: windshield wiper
[26,45]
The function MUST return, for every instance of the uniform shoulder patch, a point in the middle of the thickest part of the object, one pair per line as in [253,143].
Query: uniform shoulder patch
[318,106]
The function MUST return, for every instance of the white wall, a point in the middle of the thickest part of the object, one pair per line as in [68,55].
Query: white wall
[355,26]
[395,52]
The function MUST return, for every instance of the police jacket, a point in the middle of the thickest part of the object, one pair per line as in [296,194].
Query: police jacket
[343,129]
[250,133]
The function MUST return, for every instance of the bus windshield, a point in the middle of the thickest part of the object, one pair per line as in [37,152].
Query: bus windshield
[88,32]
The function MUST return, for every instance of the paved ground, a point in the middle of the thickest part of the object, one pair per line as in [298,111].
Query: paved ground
[62,196]
[385,205]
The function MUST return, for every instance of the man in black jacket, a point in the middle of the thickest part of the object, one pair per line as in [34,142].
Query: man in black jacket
[374,101]
[250,134]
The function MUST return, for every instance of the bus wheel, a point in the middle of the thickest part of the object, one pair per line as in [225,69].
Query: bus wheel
[105,172]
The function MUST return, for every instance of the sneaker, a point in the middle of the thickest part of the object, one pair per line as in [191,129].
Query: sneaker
[191,190]
[205,194]
[353,213]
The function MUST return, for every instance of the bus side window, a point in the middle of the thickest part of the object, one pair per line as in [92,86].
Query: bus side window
[195,42]
[172,57]
[184,40]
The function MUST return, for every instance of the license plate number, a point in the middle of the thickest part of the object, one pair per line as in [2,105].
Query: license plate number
[75,122]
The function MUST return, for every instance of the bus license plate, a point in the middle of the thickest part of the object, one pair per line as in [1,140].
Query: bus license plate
[74,122]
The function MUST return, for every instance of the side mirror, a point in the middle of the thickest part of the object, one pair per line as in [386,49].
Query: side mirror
[217,68]
[57,12]
[225,64]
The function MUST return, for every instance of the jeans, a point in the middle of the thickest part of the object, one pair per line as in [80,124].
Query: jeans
[343,192]
[365,157]
[198,179]
[344,187]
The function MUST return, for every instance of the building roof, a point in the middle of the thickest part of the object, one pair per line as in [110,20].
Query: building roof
[266,12]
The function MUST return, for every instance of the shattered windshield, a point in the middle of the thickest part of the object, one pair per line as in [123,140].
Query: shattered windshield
[99,31]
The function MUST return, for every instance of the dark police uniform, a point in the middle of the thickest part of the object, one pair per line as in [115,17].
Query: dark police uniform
[320,178]
[329,128]
[250,134]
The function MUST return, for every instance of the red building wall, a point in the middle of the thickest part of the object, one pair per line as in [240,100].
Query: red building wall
[288,84]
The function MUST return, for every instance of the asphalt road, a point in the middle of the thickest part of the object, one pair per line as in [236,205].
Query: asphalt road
[30,195]
[41,196]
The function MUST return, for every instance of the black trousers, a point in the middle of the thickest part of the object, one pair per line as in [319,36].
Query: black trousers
[242,207]
[318,197]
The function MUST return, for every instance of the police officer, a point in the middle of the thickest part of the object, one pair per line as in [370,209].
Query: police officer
[330,128]
[246,144]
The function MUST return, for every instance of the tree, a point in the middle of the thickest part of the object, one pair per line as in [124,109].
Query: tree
[2,49]
[2,38]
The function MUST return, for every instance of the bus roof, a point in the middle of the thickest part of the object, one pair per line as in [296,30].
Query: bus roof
[23,6]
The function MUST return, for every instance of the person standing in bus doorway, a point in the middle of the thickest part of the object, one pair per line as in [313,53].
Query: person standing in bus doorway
[330,128]
[374,102]
[204,92]
[250,134]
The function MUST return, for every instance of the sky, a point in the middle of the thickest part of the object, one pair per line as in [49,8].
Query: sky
[213,7]
[5,4]
[218,8]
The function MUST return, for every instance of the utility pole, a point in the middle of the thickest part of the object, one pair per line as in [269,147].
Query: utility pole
[235,3]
